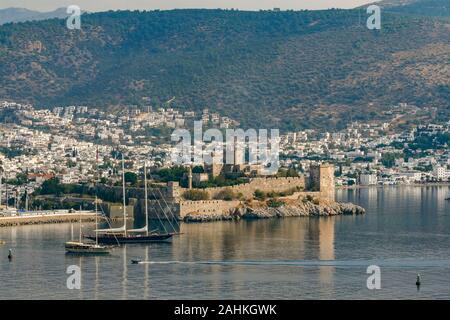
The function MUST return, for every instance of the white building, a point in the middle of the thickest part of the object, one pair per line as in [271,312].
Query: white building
[441,173]
[368,179]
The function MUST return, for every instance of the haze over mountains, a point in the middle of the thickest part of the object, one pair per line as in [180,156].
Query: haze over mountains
[266,69]
[20,15]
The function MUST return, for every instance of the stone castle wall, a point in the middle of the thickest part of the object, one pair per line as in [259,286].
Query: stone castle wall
[207,207]
[169,210]
[158,209]
[320,183]
[263,184]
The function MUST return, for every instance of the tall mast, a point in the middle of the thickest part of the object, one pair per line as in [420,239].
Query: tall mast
[96,221]
[26,199]
[80,225]
[146,198]
[124,204]
[0,188]
[7,195]
[96,182]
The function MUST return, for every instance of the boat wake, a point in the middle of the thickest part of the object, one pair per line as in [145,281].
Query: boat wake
[397,263]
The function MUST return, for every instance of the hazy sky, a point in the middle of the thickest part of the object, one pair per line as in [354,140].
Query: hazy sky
[101,5]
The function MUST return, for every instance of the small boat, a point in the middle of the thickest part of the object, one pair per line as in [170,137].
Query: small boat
[448,199]
[2,242]
[80,247]
[122,235]
[86,248]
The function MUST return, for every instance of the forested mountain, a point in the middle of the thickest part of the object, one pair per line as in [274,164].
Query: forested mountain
[434,8]
[266,69]
[437,8]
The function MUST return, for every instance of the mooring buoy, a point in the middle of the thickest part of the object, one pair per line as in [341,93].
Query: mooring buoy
[418,280]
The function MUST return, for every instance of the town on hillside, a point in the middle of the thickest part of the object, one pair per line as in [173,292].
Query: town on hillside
[66,150]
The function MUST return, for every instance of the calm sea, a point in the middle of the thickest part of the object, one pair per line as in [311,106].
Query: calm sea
[405,232]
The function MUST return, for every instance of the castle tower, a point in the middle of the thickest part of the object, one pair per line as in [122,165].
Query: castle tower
[215,169]
[321,178]
[173,190]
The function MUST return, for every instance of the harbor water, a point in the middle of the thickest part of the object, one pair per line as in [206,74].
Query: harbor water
[406,231]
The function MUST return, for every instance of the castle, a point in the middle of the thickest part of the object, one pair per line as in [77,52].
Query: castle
[169,201]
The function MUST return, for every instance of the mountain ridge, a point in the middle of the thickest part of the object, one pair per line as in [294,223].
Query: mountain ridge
[16,15]
[286,69]
[432,8]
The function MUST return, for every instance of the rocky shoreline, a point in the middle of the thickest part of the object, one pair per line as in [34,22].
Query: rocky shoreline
[296,209]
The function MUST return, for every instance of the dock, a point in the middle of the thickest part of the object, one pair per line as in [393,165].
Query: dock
[46,217]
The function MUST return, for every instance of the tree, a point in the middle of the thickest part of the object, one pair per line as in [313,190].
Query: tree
[260,195]
[51,186]
[388,159]
[198,169]
[131,177]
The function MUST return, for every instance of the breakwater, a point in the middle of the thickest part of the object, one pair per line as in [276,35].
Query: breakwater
[46,218]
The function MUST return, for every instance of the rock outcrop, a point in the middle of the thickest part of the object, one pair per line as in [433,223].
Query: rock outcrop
[307,209]
[297,208]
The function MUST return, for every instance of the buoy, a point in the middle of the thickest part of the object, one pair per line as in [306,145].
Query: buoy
[418,280]
[10,256]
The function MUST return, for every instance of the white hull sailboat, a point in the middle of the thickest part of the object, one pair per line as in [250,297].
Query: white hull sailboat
[80,247]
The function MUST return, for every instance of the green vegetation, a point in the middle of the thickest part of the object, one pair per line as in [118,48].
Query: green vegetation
[176,173]
[288,70]
[13,152]
[195,195]
[228,195]
[436,8]
[291,172]
[436,141]
[273,203]
[221,181]
[131,178]
[261,195]
[388,159]
[21,179]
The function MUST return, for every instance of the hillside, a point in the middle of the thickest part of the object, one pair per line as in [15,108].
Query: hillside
[272,69]
[433,8]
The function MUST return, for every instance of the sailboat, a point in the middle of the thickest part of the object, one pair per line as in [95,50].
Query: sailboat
[122,235]
[81,247]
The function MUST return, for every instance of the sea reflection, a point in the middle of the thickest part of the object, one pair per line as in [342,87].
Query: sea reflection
[405,229]
[266,241]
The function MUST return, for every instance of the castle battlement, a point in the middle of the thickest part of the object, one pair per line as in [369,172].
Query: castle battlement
[319,183]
